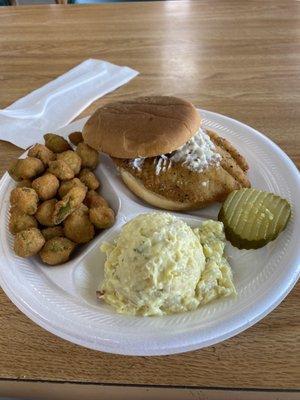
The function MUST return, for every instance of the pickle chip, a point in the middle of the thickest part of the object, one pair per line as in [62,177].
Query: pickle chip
[252,218]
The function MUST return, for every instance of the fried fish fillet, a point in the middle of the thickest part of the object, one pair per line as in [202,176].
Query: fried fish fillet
[185,189]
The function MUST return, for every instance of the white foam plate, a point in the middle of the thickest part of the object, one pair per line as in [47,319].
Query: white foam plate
[62,299]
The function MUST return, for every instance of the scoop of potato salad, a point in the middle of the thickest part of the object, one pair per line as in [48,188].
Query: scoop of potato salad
[159,265]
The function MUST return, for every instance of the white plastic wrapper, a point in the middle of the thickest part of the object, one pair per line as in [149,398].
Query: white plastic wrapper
[58,102]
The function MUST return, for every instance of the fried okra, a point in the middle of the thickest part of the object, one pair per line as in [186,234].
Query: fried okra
[26,168]
[46,186]
[57,250]
[19,221]
[82,209]
[72,159]
[42,152]
[66,222]
[68,204]
[56,143]
[89,179]
[89,157]
[61,170]
[93,199]
[45,212]
[76,138]
[28,242]
[67,185]
[25,199]
[78,227]
[102,217]
[24,183]
[52,232]
[14,171]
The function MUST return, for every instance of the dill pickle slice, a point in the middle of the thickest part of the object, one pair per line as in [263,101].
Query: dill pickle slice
[252,218]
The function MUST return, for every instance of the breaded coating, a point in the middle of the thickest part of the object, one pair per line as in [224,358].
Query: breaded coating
[78,227]
[89,179]
[232,162]
[26,168]
[89,157]
[82,209]
[57,251]
[195,189]
[227,147]
[19,221]
[93,199]
[24,183]
[76,138]
[53,231]
[45,212]
[61,170]
[68,204]
[56,143]
[13,171]
[72,159]
[75,196]
[102,217]
[43,153]
[46,186]
[65,186]
[28,242]
[25,199]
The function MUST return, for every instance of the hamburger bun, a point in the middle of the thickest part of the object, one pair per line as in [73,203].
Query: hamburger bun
[142,127]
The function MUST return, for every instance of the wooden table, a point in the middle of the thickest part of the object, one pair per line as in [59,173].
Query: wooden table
[238,58]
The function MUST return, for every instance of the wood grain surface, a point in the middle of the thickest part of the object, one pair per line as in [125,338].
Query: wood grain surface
[238,58]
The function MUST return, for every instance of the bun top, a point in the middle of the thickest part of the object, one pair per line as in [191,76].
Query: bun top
[142,127]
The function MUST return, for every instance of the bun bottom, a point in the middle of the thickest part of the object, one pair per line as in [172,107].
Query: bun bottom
[137,187]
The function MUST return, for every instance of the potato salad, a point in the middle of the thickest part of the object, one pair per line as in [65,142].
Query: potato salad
[159,265]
